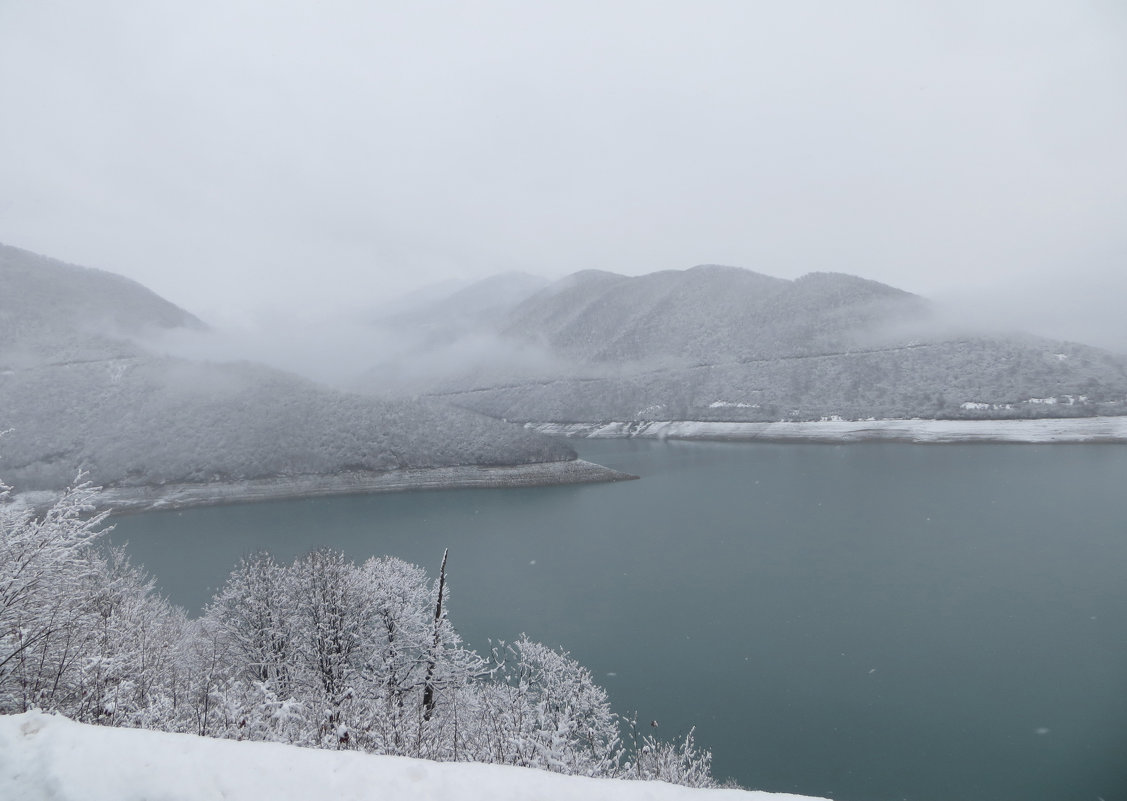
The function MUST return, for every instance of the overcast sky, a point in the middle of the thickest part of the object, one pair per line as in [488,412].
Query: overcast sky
[248,156]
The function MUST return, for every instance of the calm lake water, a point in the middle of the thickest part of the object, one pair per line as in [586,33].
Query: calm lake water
[866,622]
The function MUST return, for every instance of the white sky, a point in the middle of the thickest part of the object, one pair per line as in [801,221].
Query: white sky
[240,157]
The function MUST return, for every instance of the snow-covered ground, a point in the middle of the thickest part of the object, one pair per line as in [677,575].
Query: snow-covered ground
[1082,429]
[49,757]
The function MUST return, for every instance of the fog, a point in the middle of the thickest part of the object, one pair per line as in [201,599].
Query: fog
[329,349]
[257,161]
[1079,306]
[354,353]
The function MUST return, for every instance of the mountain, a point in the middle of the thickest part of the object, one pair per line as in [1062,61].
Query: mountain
[79,390]
[723,343]
[53,311]
[706,314]
[44,295]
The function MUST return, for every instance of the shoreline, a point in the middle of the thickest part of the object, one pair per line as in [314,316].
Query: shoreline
[918,431]
[124,500]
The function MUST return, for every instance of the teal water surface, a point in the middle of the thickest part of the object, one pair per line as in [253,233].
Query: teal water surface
[865,622]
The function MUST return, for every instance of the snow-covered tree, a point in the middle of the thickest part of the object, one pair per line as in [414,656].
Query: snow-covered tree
[45,566]
[252,610]
[81,630]
[349,651]
[544,710]
[133,648]
[409,647]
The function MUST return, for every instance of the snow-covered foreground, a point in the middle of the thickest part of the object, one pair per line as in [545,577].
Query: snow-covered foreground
[50,757]
[1083,429]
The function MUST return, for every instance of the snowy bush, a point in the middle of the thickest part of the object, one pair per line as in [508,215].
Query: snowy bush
[679,763]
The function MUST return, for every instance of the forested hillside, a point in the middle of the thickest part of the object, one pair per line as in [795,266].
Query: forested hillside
[79,392]
[722,343]
[972,378]
[707,314]
[53,312]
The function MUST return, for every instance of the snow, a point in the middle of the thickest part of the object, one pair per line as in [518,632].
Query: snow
[49,757]
[980,406]
[1083,429]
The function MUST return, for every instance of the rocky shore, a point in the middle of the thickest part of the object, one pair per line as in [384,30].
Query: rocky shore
[178,496]
[1058,430]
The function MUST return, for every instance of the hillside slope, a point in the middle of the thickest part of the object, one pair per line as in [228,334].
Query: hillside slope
[721,343]
[709,313]
[78,392]
[51,311]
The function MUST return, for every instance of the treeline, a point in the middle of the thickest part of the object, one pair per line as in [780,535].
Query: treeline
[321,652]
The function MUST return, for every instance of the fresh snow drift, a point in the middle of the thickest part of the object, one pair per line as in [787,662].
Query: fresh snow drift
[50,757]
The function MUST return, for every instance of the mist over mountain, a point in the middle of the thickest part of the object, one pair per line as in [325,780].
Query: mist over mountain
[53,311]
[79,390]
[432,334]
[466,308]
[724,343]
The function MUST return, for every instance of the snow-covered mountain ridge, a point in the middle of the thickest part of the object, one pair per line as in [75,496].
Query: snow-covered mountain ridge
[724,344]
[80,388]
[49,757]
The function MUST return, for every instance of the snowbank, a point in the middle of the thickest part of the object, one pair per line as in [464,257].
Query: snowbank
[1084,429]
[49,757]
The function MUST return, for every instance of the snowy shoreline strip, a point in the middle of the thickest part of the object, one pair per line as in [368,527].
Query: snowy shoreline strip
[50,757]
[1059,430]
[178,496]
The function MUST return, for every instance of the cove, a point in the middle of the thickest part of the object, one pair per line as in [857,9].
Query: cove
[866,622]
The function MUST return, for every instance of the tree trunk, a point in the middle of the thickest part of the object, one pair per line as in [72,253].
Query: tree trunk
[428,685]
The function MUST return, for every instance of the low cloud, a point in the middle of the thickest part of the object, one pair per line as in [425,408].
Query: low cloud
[328,349]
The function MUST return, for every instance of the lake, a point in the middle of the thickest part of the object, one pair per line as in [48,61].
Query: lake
[866,622]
